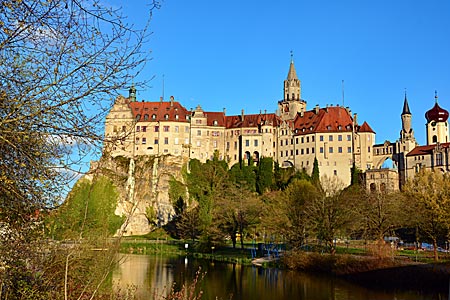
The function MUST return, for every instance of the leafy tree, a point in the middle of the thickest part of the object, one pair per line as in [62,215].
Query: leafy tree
[429,197]
[264,175]
[315,175]
[244,175]
[298,196]
[332,213]
[355,173]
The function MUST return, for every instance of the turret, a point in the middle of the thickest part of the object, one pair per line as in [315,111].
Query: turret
[437,124]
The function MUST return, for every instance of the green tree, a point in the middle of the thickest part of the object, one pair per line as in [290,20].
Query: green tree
[297,197]
[264,175]
[332,213]
[315,176]
[429,199]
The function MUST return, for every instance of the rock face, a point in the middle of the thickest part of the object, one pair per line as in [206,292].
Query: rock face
[143,185]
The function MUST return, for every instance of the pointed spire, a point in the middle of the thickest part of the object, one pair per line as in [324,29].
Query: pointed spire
[435,97]
[292,73]
[406,110]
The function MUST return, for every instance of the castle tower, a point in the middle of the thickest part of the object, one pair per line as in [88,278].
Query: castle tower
[407,140]
[292,102]
[437,125]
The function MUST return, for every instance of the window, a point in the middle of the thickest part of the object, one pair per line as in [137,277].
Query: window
[335,172]
[186,129]
[235,145]
[137,141]
[349,149]
[215,133]
[176,117]
[177,128]
[156,141]
[303,140]
[312,150]
[186,141]
[349,137]
[296,141]
[124,128]
[339,149]
[330,150]
[199,132]
[144,141]
[340,138]
[215,144]
[153,117]
[247,143]
[321,150]
[368,149]
[281,153]
[166,141]
[138,128]
[198,121]
[228,146]
[321,138]
[176,141]
[199,143]
[312,139]
[281,142]
[307,139]
[296,151]
[439,159]
[256,143]
[156,128]
[144,128]
[307,150]
[330,138]
[145,117]
[166,128]
[166,117]
[302,151]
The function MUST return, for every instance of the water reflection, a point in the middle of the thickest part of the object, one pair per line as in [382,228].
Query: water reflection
[152,274]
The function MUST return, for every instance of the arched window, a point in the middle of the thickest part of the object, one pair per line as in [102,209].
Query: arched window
[138,117]
[373,187]
[145,117]
[153,117]
[434,139]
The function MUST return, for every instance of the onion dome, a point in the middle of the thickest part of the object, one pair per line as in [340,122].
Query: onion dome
[437,113]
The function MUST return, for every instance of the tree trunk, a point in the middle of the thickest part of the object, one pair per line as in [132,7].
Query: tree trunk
[435,252]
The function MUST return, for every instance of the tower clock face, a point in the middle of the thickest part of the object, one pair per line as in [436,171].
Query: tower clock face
[433,123]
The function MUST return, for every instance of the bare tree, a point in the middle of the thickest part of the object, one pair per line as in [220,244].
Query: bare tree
[62,62]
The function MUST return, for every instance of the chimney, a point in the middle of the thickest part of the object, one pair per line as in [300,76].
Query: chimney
[160,99]
[224,111]
[316,109]
[242,115]
[355,119]
[171,100]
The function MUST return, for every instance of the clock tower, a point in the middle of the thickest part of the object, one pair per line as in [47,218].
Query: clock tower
[437,124]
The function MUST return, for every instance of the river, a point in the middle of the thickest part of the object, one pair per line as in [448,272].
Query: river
[154,275]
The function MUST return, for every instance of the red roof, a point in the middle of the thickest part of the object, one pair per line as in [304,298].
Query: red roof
[427,149]
[330,119]
[365,128]
[251,120]
[159,111]
[212,117]
[437,114]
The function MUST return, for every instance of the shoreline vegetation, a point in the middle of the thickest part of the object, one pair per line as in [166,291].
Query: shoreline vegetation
[395,269]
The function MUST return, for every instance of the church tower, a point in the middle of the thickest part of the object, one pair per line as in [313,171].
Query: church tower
[407,140]
[437,125]
[292,102]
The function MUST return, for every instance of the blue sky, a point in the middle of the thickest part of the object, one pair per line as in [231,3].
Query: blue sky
[235,55]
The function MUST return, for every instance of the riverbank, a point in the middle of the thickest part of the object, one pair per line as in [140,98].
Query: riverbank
[391,272]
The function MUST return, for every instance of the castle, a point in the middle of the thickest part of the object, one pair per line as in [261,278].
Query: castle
[293,137]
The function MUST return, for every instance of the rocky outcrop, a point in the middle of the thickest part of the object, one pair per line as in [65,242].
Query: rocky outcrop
[143,185]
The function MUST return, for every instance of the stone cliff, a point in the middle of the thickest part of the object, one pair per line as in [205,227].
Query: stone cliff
[143,185]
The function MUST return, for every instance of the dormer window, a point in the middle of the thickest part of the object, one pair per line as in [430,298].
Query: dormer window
[215,122]
[188,117]
[145,117]
[339,127]
[176,117]
[138,117]
[153,117]
[166,117]
[329,127]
